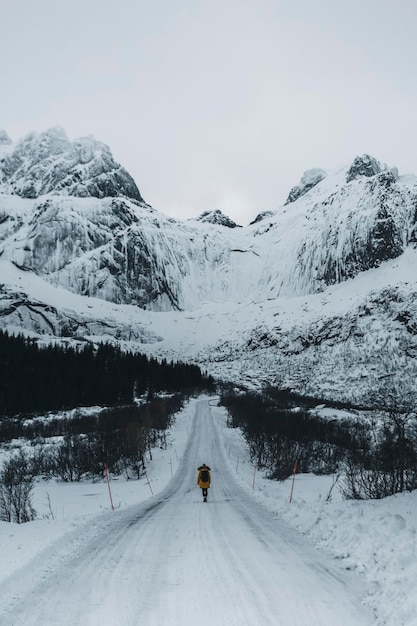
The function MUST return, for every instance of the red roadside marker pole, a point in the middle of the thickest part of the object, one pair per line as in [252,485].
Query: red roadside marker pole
[293,479]
[108,485]
[149,483]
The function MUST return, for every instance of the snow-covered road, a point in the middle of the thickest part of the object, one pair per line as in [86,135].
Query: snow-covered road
[176,560]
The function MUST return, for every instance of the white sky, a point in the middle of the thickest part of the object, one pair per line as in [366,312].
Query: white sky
[216,104]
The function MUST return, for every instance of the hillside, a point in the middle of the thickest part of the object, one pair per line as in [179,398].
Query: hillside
[319,295]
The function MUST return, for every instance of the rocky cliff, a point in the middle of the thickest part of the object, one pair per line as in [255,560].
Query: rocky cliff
[255,302]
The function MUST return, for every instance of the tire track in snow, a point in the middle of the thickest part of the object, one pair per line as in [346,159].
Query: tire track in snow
[175,560]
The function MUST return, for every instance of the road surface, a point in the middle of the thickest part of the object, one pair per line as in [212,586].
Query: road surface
[175,560]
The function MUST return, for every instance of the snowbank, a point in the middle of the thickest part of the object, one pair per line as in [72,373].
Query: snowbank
[377,539]
[62,507]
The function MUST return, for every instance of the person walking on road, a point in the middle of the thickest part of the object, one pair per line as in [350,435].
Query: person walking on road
[204,479]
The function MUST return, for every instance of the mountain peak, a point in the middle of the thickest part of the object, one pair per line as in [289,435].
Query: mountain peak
[313,283]
[261,216]
[309,179]
[49,162]
[364,165]
[218,218]
[4,138]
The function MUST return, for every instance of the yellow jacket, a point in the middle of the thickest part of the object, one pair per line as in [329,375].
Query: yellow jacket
[204,484]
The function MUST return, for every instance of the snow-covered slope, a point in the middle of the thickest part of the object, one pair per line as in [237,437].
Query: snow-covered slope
[316,295]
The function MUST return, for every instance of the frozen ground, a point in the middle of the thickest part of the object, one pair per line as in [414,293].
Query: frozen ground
[168,558]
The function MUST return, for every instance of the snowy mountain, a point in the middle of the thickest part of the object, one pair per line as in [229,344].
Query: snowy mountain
[319,295]
[217,217]
[49,163]
[309,180]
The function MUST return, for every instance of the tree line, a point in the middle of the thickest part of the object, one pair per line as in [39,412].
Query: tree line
[375,453]
[122,438]
[280,429]
[35,379]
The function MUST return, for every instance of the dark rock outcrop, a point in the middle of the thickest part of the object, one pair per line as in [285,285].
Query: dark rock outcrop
[364,165]
[218,218]
[310,179]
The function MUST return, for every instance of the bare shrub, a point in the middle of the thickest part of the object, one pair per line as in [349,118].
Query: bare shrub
[16,485]
[389,466]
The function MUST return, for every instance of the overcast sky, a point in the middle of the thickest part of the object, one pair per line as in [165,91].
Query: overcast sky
[216,104]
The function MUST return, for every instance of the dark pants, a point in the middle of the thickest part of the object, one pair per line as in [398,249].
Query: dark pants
[204,490]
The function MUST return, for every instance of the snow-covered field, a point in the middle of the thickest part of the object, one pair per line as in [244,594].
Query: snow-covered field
[373,542]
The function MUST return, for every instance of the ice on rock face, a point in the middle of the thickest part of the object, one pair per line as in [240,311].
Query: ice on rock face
[84,238]
[90,236]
